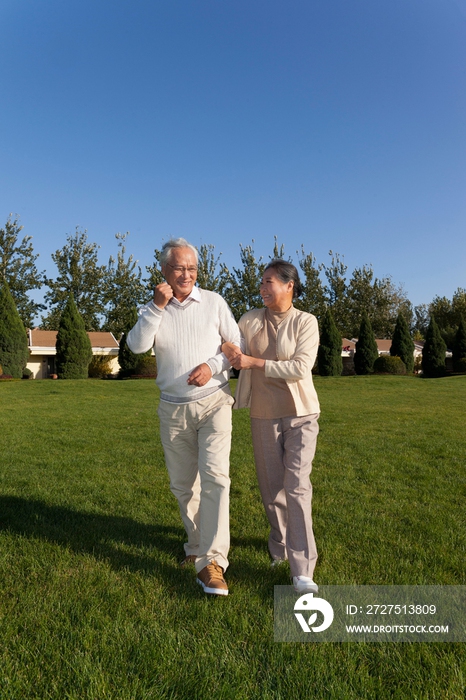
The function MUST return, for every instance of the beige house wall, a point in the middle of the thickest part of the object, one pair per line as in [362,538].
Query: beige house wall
[39,364]
[35,365]
[42,351]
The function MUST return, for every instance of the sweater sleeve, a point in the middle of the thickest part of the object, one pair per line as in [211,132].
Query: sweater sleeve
[229,332]
[303,358]
[142,336]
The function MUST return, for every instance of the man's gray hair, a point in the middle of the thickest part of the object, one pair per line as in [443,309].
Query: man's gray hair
[167,248]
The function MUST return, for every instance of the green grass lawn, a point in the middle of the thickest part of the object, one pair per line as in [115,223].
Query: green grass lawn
[93,604]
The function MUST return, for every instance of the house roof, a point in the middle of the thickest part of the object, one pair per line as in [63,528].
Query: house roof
[43,339]
[43,342]
[101,339]
[383,345]
[347,345]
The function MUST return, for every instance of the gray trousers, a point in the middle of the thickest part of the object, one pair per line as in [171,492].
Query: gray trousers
[283,451]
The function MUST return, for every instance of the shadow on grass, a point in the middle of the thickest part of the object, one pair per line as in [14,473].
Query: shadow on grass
[106,537]
[126,544]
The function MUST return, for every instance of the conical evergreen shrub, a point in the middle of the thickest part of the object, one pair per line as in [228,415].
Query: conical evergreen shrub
[14,351]
[433,352]
[459,348]
[402,344]
[127,359]
[74,351]
[329,352]
[366,348]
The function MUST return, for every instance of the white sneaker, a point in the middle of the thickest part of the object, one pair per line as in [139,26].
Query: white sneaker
[304,584]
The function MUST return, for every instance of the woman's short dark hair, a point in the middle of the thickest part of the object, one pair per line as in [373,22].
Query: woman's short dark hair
[286,272]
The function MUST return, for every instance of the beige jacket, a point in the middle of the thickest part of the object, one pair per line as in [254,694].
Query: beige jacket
[297,343]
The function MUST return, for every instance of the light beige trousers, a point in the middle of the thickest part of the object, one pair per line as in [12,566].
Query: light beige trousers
[196,439]
[283,451]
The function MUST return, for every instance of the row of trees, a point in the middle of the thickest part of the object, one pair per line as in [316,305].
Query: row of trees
[74,357]
[106,294]
[74,352]
[401,361]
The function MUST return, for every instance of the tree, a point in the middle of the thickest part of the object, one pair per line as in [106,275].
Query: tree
[459,347]
[364,293]
[155,274]
[242,286]
[402,344]
[127,359]
[329,352]
[441,308]
[312,299]
[124,289]
[278,252]
[397,302]
[433,352]
[14,351]
[366,351]
[207,273]
[336,290]
[421,321]
[458,305]
[74,351]
[80,275]
[381,300]
[448,314]
[18,269]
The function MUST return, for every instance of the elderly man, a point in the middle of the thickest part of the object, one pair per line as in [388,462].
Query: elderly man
[186,326]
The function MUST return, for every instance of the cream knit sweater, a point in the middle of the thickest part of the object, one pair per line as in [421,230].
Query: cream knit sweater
[185,335]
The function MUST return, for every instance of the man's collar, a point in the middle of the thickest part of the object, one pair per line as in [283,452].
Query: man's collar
[194,296]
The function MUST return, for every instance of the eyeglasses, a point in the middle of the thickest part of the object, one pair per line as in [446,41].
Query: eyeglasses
[180,268]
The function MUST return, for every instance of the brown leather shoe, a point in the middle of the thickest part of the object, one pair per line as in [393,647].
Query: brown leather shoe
[211,579]
[190,559]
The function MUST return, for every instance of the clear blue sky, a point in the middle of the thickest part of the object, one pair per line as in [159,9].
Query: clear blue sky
[334,124]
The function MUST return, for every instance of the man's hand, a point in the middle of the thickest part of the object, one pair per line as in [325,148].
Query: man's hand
[162,295]
[230,351]
[200,375]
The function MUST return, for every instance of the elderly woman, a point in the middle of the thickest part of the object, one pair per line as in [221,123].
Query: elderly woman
[280,346]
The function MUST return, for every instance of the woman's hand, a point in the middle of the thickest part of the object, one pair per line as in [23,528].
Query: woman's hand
[230,351]
[241,361]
